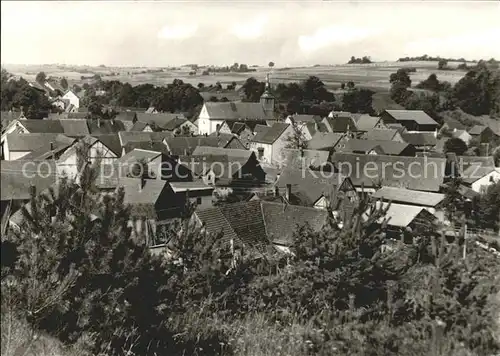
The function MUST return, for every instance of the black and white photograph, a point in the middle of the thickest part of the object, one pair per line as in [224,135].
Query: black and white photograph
[250,178]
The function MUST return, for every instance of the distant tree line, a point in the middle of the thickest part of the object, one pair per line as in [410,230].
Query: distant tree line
[175,97]
[237,68]
[310,97]
[363,60]
[425,57]
[477,93]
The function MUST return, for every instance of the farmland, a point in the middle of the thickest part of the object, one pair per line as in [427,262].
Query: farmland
[374,76]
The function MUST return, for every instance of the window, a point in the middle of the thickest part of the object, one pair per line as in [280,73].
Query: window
[198,200]
[261,152]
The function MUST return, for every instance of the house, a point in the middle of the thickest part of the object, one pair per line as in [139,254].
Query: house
[244,131]
[73,98]
[18,178]
[104,127]
[105,148]
[162,121]
[326,141]
[33,126]
[372,171]
[184,146]
[299,119]
[241,167]
[213,115]
[422,141]
[60,103]
[8,116]
[180,124]
[18,145]
[196,191]
[259,224]
[127,116]
[143,137]
[483,134]
[141,127]
[301,159]
[479,178]
[268,143]
[412,120]
[344,123]
[383,134]
[392,148]
[464,162]
[433,202]
[318,190]
[404,221]
[367,122]
[462,135]
[228,141]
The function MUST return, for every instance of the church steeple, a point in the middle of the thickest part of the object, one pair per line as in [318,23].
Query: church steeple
[267,98]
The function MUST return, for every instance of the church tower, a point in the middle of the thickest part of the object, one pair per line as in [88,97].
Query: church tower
[267,98]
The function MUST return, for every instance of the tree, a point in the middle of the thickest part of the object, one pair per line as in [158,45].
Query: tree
[358,101]
[41,78]
[297,140]
[400,82]
[201,86]
[478,92]
[271,64]
[64,83]
[442,64]
[184,131]
[455,145]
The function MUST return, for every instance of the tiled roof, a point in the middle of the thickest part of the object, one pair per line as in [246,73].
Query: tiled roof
[215,222]
[157,146]
[401,215]
[111,141]
[247,222]
[186,145]
[475,172]
[299,118]
[411,197]
[105,126]
[126,116]
[224,138]
[419,116]
[312,185]
[75,127]
[272,134]
[366,122]
[418,173]
[236,111]
[260,128]
[139,154]
[380,134]
[283,220]
[174,124]
[238,127]
[324,141]
[387,147]
[160,120]
[138,126]
[477,129]
[142,197]
[340,124]
[420,138]
[18,176]
[232,153]
[140,136]
[294,158]
[42,126]
[34,141]
[467,161]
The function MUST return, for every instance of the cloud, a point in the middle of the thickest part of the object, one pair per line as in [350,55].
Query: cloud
[331,35]
[250,30]
[177,31]
[481,41]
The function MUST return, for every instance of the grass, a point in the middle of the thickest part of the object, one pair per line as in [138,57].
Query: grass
[373,76]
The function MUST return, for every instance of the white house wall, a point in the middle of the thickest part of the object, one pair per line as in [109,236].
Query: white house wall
[481,185]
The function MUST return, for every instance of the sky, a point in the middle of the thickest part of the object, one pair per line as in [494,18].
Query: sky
[168,33]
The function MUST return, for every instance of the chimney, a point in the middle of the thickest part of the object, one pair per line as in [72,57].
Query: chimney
[288,192]
[276,191]
[301,152]
[98,122]
[142,183]
[436,133]
[52,146]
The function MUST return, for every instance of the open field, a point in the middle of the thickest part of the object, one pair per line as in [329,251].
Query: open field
[374,76]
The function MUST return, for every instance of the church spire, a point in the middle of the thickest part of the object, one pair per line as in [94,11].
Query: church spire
[267,98]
